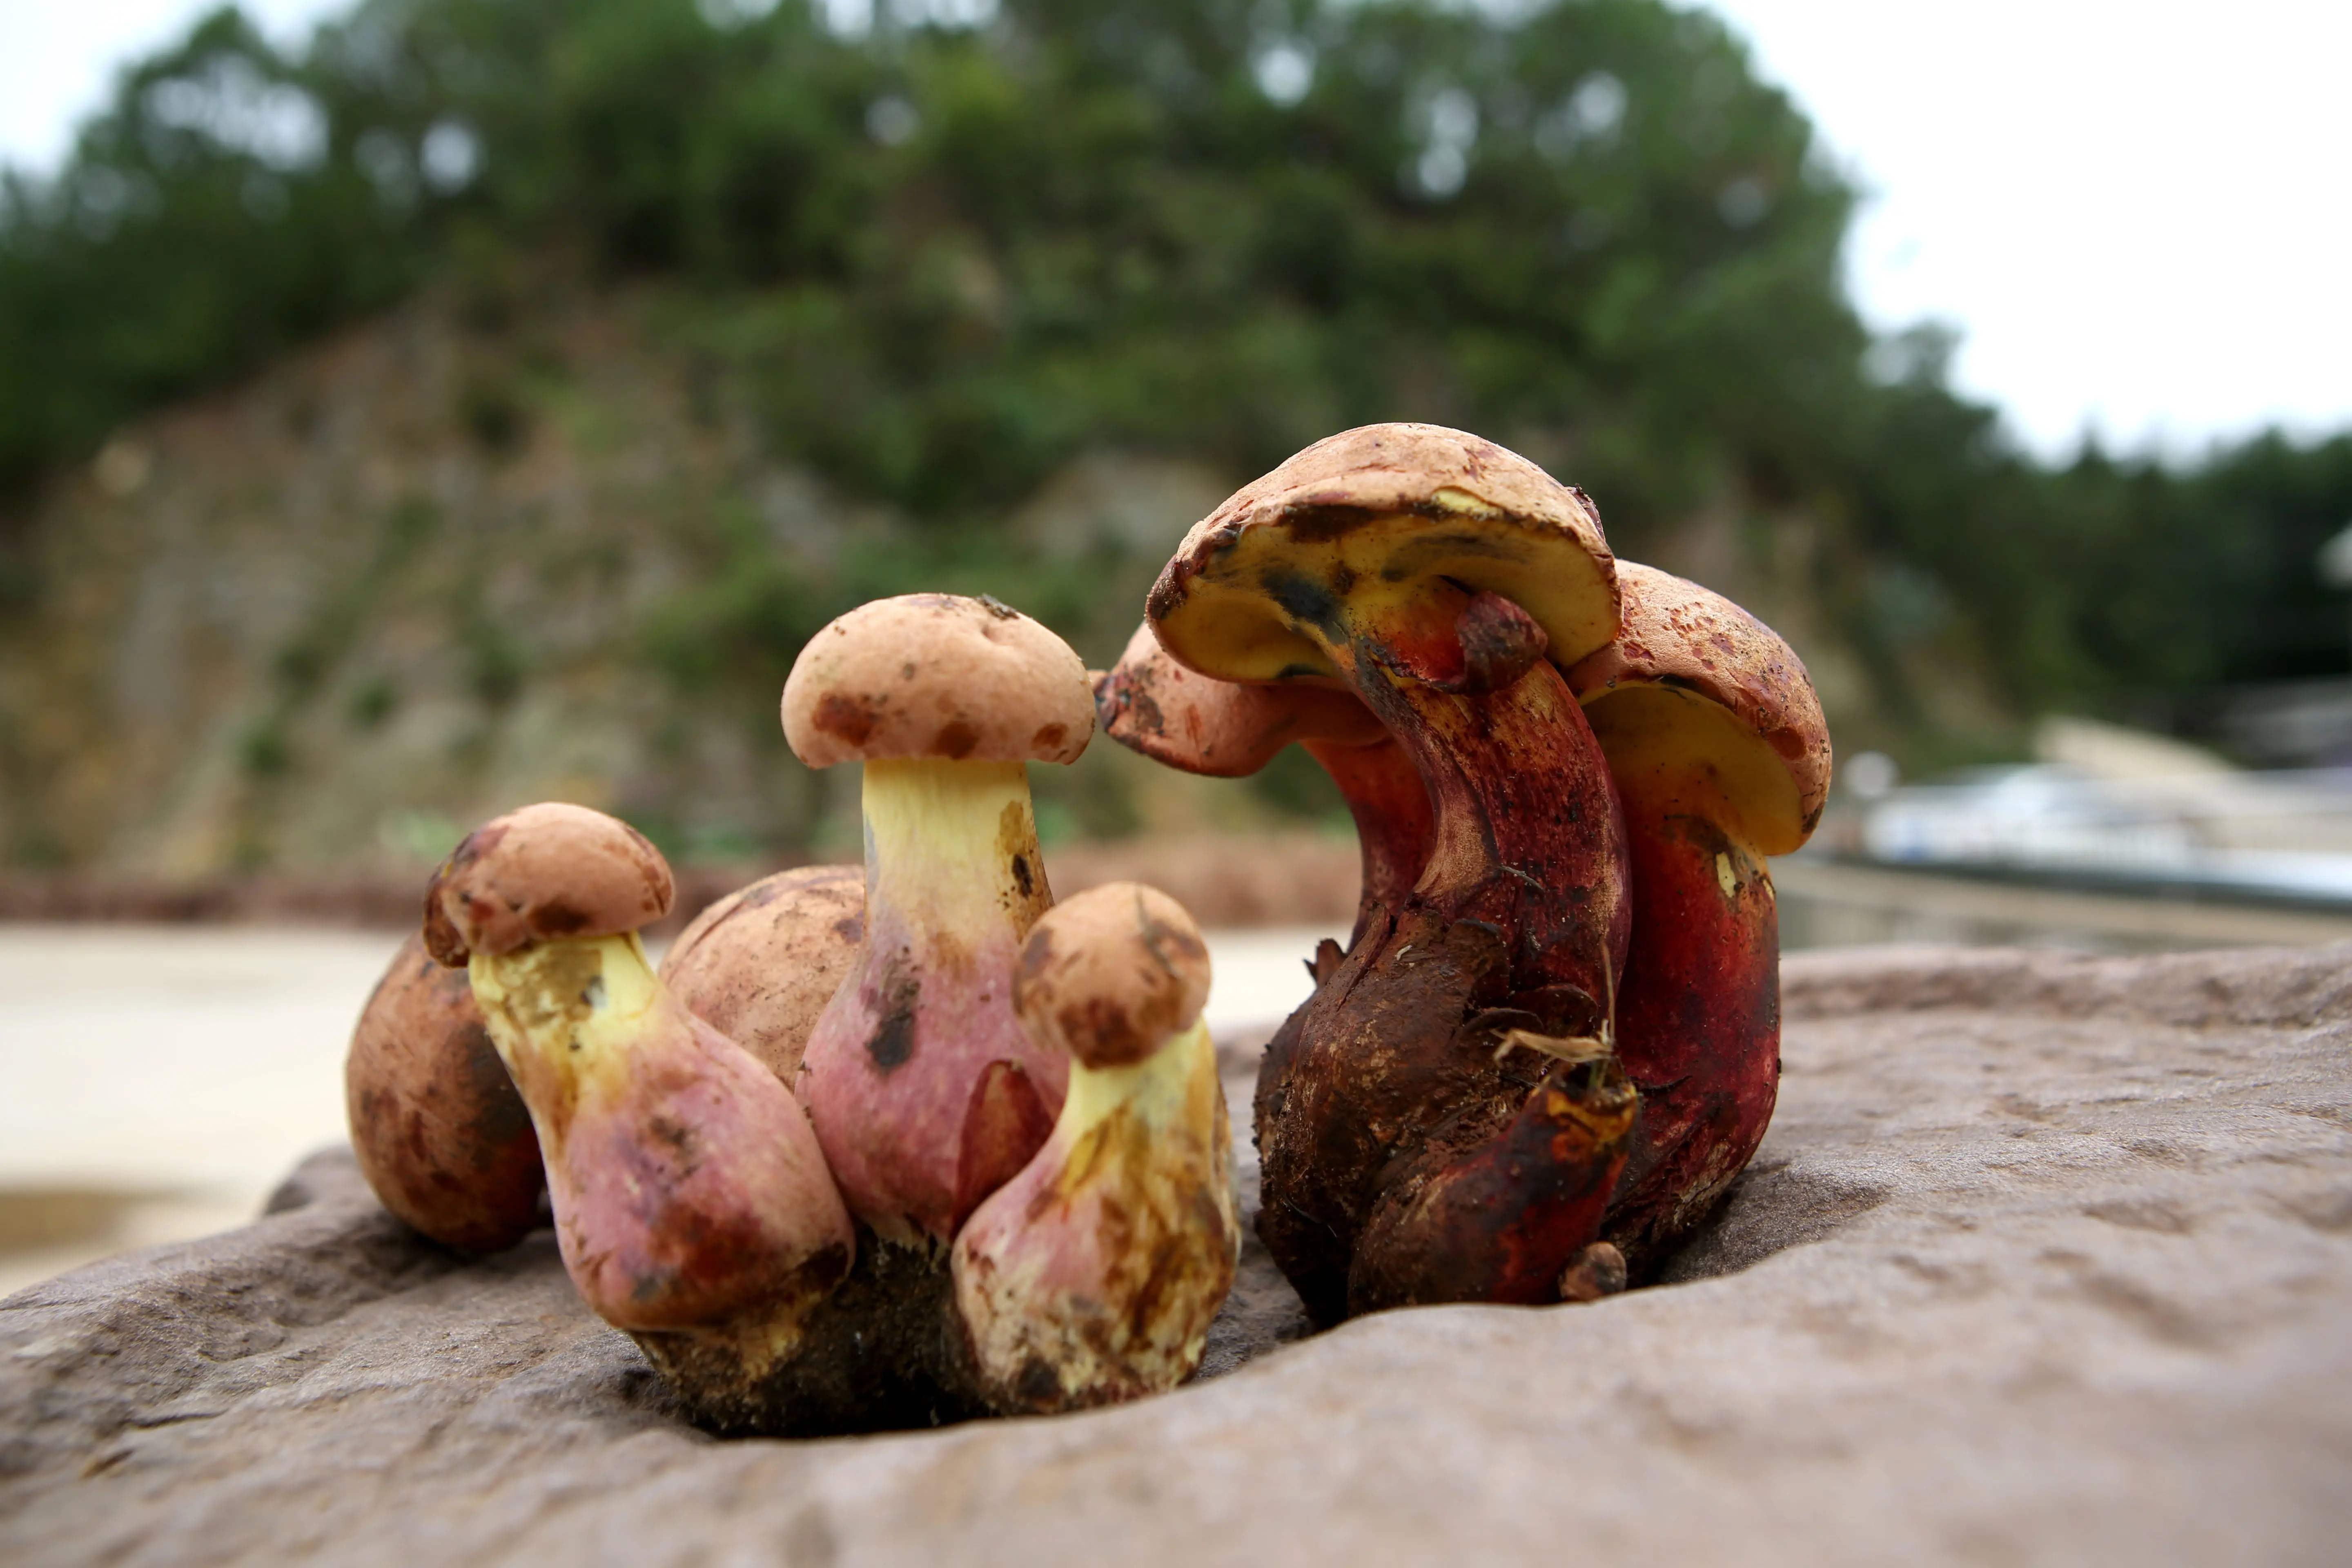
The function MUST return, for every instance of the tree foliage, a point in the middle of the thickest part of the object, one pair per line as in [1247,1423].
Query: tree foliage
[954,249]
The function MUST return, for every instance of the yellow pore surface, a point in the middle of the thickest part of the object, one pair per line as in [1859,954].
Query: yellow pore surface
[1673,751]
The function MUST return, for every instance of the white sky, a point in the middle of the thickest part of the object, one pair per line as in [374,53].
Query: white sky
[2139,213]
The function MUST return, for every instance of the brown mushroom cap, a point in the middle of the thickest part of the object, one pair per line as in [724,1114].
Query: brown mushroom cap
[1112,974]
[1371,512]
[760,964]
[439,1130]
[548,871]
[1694,678]
[1150,703]
[938,675]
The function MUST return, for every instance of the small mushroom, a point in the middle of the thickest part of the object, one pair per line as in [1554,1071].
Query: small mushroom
[1431,573]
[1092,1276]
[1150,703]
[760,964]
[926,1092]
[1721,757]
[692,1205]
[439,1130]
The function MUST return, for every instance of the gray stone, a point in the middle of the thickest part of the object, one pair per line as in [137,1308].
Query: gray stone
[2046,1259]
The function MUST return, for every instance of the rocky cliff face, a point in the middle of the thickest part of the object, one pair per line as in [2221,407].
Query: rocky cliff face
[463,556]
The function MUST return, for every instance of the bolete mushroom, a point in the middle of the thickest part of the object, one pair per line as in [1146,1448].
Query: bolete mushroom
[1092,1276]
[1721,757]
[926,1092]
[1150,703]
[692,1205]
[760,964]
[438,1129]
[1429,572]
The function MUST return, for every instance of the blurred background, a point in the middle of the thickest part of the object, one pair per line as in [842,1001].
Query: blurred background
[413,408]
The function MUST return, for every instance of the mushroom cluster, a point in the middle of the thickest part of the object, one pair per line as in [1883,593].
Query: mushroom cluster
[919,1145]
[1553,1039]
[865,1151]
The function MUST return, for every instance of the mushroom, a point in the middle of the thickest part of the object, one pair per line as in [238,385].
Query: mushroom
[760,964]
[439,1130]
[692,1205]
[1150,703]
[1092,1276]
[1381,558]
[926,1092]
[1721,757]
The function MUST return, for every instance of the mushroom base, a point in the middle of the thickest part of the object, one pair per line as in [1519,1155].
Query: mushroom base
[884,1352]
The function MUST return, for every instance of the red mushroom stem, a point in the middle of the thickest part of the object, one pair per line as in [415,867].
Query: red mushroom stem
[1391,1088]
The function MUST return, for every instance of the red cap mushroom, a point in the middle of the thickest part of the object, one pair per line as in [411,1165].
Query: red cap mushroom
[1093,1275]
[1429,572]
[1721,757]
[926,1092]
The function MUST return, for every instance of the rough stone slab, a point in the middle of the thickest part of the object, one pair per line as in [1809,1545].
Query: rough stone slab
[2046,1259]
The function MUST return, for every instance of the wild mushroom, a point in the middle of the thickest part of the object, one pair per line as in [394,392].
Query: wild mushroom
[926,1092]
[439,1130]
[1721,757]
[692,1205]
[1150,703]
[1092,1276]
[760,964]
[1381,558]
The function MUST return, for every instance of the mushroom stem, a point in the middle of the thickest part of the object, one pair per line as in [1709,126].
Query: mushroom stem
[690,1207]
[1518,922]
[1393,820]
[926,1092]
[1698,1021]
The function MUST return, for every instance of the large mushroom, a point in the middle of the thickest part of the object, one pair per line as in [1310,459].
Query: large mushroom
[438,1129]
[1429,573]
[1093,1275]
[926,1092]
[692,1205]
[1721,757]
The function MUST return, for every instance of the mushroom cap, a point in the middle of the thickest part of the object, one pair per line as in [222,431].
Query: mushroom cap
[938,675]
[760,964]
[548,871]
[1693,678]
[1150,703]
[1367,514]
[1112,974]
[439,1128]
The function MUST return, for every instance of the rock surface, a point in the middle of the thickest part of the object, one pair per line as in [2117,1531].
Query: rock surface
[2046,1259]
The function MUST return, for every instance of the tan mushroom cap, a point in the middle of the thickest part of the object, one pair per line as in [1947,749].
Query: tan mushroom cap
[1150,703]
[1693,678]
[938,675]
[1373,513]
[760,964]
[546,871]
[1112,974]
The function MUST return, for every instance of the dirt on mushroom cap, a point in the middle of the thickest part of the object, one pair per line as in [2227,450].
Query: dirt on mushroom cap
[941,676]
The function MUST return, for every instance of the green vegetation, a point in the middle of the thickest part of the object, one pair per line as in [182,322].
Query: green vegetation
[941,260]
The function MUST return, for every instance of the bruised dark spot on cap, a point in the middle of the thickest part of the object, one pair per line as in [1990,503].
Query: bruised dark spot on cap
[847,717]
[478,843]
[559,919]
[955,741]
[1049,737]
